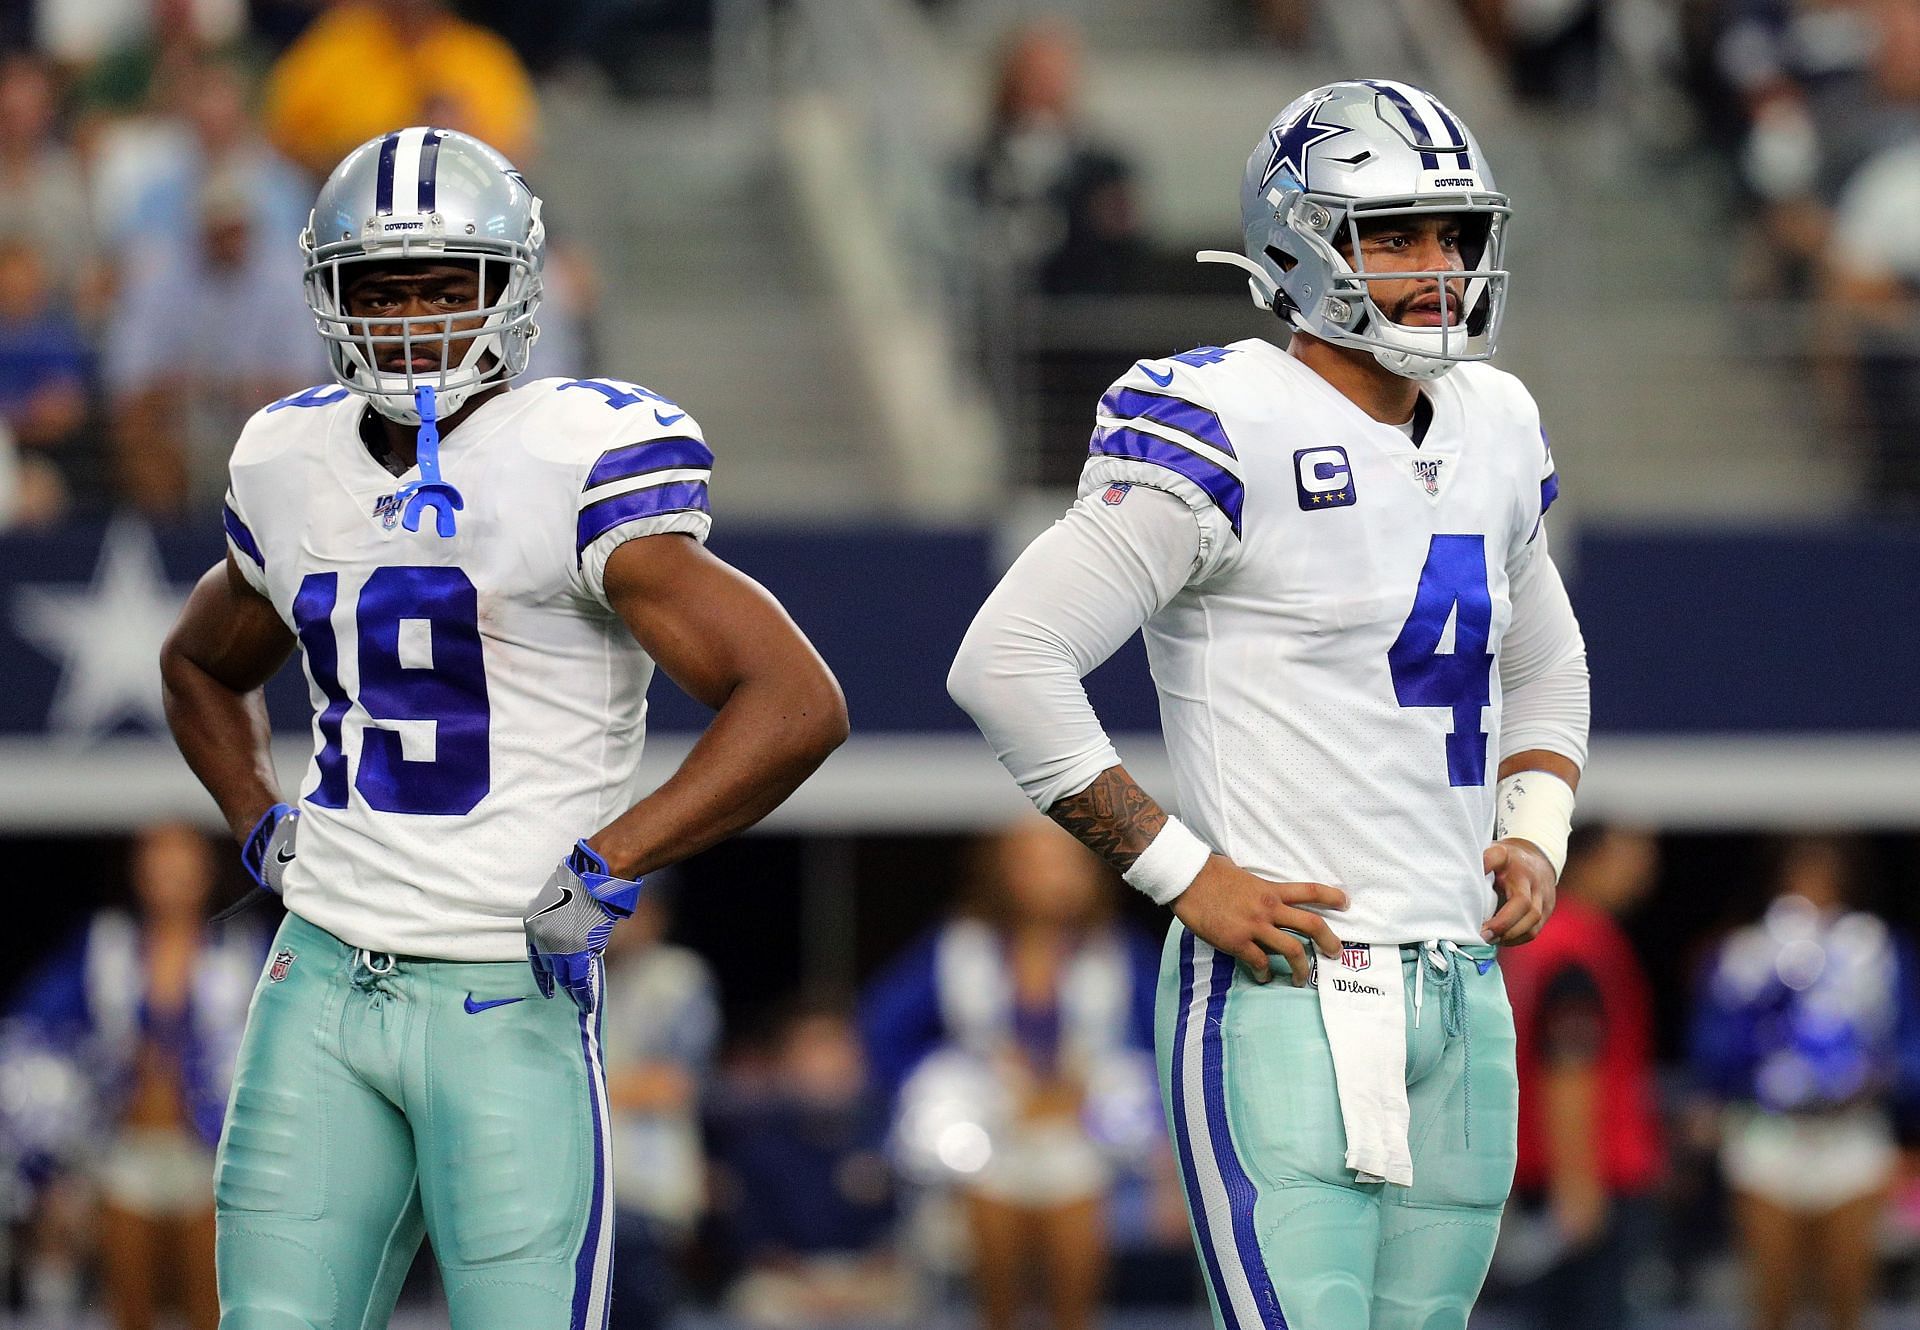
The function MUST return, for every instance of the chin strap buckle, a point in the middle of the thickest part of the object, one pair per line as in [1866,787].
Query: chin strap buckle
[429,491]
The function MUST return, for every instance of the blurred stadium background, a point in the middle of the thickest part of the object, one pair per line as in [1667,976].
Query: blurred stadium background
[889,252]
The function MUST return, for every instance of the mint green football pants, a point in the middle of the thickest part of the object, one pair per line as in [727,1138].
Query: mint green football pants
[379,1098]
[1287,1236]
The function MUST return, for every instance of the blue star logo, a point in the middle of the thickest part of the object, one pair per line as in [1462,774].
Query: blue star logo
[1290,144]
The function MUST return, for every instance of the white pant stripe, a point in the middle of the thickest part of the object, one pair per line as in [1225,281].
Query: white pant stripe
[1206,1160]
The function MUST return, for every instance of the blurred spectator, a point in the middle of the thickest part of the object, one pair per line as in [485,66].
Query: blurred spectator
[31,492]
[1551,48]
[661,1026]
[78,34]
[1582,1215]
[1808,1032]
[362,69]
[151,1007]
[1018,1038]
[45,363]
[1874,291]
[156,64]
[200,341]
[1055,204]
[810,1198]
[220,138]
[43,196]
[1825,84]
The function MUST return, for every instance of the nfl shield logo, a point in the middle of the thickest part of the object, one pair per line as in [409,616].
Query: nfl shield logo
[1428,473]
[387,509]
[1115,493]
[1356,955]
[282,962]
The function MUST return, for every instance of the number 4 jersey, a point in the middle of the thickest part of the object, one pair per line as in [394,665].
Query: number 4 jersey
[477,704]
[1327,676]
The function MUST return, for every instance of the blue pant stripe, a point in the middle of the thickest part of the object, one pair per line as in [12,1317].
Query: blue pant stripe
[1183,1144]
[588,1277]
[1241,1193]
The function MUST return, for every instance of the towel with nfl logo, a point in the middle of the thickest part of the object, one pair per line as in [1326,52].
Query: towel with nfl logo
[1363,1006]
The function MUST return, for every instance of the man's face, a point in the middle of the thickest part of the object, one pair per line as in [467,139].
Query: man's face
[414,289]
[1411,244]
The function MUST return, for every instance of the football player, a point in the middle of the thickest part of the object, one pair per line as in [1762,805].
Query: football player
[480,581]
[1374,697]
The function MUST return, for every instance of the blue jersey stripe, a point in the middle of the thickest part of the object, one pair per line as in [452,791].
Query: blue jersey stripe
[1549,491]
[1190,417]
[1242,1196]
[637,459]
[429,167]
[1421,139]
[1221,485]
[383,179]
[242,538]
[680,496]
[1183,1144]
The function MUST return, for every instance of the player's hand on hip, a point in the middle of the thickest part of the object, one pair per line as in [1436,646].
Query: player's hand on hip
[268,851]
[1524,881]
[1254,919]
[570,922]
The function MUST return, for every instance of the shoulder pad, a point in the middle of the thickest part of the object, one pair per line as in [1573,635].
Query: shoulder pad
[1161,414]
[583,418]
[277,426]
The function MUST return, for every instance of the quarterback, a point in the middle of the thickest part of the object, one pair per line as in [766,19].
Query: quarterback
[1374,697]
[480,580]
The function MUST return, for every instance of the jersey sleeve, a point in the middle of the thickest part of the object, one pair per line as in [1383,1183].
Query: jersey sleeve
[647,483]
[242,544]
[1159,428]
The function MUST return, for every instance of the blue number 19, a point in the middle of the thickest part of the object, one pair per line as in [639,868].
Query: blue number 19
[437,676]
[1453,585]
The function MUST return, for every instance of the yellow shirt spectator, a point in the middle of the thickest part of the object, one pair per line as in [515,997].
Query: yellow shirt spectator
[363,69]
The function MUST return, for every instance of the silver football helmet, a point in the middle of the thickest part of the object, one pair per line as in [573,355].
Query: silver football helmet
[426,194]
[1353,152]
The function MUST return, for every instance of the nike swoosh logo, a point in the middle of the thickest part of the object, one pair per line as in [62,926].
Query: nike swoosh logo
[284,854]
[673,419]
[1163,381]
[475,1008]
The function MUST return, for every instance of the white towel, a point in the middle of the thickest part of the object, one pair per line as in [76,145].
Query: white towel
[1363,1004]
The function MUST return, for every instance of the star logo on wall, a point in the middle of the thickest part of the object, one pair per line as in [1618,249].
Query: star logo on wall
[106,635]
[1291,142]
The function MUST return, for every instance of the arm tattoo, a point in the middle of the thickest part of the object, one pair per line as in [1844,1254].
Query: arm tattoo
[1113,817]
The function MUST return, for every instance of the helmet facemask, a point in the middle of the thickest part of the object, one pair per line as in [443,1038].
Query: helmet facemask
[508,284]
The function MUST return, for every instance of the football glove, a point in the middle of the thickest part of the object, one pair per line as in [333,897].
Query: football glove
[269,848]
[570,922]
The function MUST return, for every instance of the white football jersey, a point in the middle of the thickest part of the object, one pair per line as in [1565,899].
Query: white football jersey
[477,705]
[1327,678]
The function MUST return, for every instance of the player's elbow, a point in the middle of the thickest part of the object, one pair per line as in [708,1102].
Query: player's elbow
[967,677]
[821,712]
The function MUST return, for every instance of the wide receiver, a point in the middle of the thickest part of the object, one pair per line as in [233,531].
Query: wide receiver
[480,581]
[1374,696]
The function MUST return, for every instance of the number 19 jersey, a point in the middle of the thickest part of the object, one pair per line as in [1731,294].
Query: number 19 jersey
[477,704]
[1327,677]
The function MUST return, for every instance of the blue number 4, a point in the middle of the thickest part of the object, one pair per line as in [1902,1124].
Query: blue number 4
[1453,586]
[417,635]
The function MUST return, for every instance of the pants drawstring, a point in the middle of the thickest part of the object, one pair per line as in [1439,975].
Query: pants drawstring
[1446,959]
[372,970]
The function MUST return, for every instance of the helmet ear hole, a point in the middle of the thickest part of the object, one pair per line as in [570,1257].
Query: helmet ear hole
[1282,260]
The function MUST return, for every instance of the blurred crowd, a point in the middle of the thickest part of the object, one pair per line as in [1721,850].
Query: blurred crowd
[157,162]
[979,1125]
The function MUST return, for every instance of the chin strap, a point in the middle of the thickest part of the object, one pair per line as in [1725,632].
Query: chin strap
[429,491]
[1262,285]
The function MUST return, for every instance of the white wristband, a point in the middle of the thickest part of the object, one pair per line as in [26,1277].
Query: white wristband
[1169,865]
[1535,806]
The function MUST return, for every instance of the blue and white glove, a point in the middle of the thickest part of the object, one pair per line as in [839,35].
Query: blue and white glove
[570,922]
[269,849]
